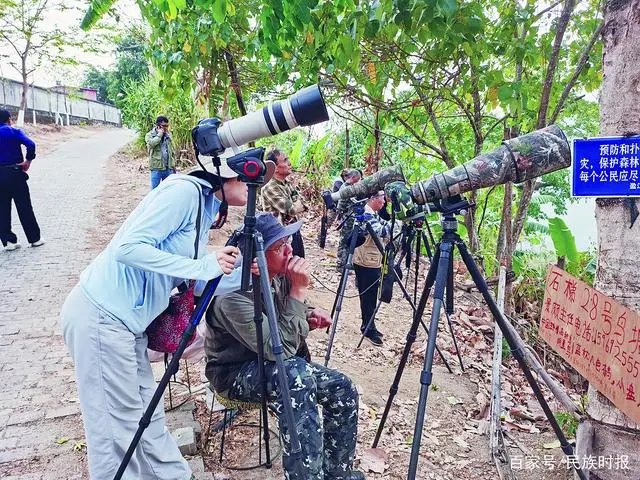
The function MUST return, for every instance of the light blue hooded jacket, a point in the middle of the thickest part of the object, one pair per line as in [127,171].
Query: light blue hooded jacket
[152,253]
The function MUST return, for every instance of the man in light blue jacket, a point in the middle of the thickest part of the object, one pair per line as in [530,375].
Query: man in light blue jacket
[119,294]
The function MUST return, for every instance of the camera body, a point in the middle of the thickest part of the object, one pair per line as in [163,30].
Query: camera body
[205,137]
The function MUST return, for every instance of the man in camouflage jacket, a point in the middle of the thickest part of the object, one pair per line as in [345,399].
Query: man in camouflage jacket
[328,442]
[281,199]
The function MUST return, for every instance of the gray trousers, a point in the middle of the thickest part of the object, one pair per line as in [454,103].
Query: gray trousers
[115,384]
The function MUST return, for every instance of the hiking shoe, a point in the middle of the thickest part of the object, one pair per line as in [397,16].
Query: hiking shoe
[375,340]
[12,246]
[378,333]
[373,332]
[38,243]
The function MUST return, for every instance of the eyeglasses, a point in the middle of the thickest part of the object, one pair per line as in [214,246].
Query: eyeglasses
[278,247]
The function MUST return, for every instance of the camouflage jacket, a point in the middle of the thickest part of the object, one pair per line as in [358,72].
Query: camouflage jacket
[279,197]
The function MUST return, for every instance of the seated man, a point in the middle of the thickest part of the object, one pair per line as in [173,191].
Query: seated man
[328,445]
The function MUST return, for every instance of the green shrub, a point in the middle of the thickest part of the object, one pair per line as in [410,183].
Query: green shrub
[144,101]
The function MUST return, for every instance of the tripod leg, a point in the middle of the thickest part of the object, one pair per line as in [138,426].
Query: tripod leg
[449,310]
[264,415]
[417,273]
[411,337]
[446,248]
[380,247]
[277,349]
[425,240]
[408,298]
[343,279]
[517,352]
[340,296]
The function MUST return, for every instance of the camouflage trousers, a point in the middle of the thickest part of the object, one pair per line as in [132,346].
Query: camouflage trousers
[328,443]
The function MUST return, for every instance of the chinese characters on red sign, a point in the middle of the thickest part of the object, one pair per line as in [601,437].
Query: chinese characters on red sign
[598,336]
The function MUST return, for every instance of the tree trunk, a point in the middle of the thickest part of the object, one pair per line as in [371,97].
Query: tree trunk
[25,90]
[346,146]
[609,431]
[529,186]
[374,154]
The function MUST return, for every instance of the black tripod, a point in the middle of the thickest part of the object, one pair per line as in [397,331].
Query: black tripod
[388,269]
[361,219]
[252,243]
[438,274]
[413,234]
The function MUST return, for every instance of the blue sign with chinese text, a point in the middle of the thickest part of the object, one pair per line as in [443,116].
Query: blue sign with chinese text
[606,167]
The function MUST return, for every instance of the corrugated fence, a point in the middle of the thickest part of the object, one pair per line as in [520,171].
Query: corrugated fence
[50,106]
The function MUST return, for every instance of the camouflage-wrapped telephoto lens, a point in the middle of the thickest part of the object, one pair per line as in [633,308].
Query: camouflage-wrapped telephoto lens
[522,158]
[369,185]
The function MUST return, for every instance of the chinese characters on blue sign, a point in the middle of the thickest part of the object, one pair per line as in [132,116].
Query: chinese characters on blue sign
[606,167]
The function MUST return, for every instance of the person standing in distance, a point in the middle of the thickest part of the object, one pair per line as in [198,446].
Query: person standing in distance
[281,199]
[160,148]
[13,184]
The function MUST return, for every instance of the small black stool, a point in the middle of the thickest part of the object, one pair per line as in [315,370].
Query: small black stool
[231,410]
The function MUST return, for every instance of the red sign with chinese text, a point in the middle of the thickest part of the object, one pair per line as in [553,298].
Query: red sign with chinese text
[598,336]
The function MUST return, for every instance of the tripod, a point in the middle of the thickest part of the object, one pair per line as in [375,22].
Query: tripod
[253,243]
[362,219]
[438,275]
[413,232]
[396,279]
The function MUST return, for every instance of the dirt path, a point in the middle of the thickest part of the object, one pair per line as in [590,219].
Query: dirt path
[452,445]
[41,434]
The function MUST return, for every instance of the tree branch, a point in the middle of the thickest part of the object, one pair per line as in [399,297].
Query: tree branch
[11,43]
[563,21]
[418,137]
[355,119]
[574,78]
[548,9]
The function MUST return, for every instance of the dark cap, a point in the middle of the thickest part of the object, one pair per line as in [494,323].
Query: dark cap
[352,172]
[272,230]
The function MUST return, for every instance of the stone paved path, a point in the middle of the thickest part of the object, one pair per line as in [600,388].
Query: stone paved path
[38,400]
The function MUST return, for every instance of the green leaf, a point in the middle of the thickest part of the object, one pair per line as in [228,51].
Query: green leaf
[173,11]
[563,239]
[219,10]
[295,153]
[180,4]
[467,49]
[448,7]
[175,57]
[505,92]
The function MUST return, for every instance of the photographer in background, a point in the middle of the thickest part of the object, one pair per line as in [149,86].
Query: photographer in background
[281,199]
[13,184]
[367,264]
[160,148]
[345,209]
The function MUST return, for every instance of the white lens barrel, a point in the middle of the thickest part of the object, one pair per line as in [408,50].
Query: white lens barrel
[271,120]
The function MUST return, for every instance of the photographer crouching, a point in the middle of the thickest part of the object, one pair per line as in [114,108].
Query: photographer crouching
[328,443]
